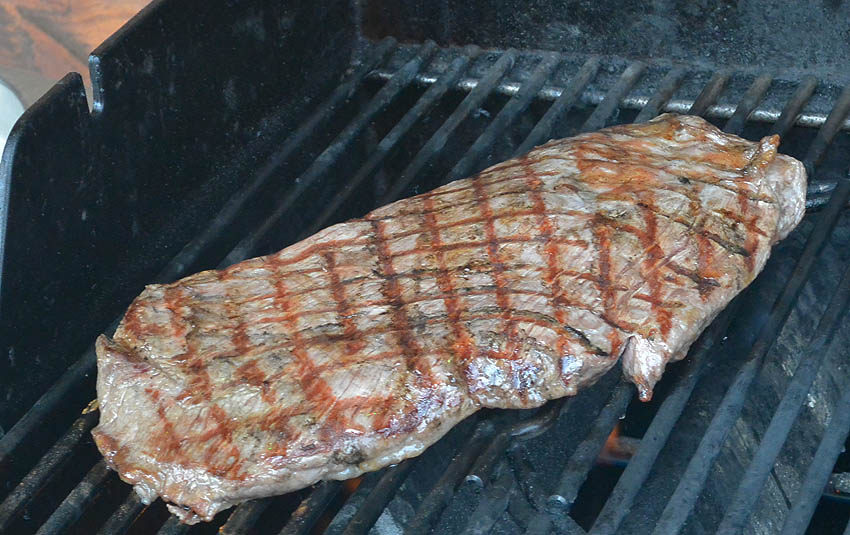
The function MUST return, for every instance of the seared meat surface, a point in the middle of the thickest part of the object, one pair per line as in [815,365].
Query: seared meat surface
[365,343]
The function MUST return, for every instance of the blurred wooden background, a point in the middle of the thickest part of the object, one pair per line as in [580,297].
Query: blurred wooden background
[42,40]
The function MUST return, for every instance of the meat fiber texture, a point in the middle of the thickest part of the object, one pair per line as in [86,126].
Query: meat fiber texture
[365,343]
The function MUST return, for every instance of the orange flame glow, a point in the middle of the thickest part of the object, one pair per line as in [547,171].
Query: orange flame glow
[617,448]
[350,485]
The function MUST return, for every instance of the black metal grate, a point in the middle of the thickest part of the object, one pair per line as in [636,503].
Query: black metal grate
[418,116]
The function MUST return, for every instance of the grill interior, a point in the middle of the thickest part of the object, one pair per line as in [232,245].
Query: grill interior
[743,435]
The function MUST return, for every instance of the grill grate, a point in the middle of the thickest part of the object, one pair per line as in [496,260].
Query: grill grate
[487,475]
[693,480]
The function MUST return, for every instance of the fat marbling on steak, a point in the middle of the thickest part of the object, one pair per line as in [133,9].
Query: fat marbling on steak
[365,343]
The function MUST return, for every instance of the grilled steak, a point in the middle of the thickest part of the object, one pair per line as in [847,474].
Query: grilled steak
[363,344]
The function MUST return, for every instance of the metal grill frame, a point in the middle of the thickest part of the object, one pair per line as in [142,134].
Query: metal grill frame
[480,464]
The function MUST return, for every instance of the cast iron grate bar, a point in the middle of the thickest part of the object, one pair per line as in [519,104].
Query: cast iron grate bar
[637,470]
[505,118]
[378,498]
[489,476]
[755,96]
[749,490]
[583,457]
[45,469]
[445,488]
[796,101]
[438,140]
[709,93]
[431,96]
[751,99]
[84,366]
[794,106]
[530,486]
[817,475]
[372,503]
[581,461]
[310,126]
[72,507]
[243,518]
[603,112]
[494,500]
[817,194]
[479,475]
[814,118]
[672,81]
[386,95]
[498,70]
[173,526]
[342,517]
[124,516]
[39,476]
[827,132]
[441,493]
[434,145]
[681,503]
[48,402]
[302,520]
[569,97]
